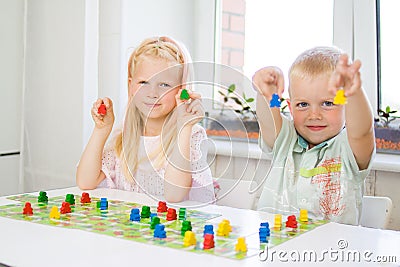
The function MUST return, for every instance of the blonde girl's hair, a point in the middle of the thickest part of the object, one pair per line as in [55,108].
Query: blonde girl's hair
[128,140]
[315,61]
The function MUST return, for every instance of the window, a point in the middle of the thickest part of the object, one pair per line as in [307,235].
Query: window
[257,33]
[389,57]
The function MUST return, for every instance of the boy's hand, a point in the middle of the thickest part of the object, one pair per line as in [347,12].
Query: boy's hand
[103,121]
[268,81]
[189,112]
[346,76]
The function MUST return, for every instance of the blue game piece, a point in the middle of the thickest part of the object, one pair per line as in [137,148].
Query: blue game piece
[263,233]
[135,216]
[159,232]
[103,203]
[208,229]
[275,102]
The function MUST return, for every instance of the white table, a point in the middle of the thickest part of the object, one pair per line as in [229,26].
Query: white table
[30,244]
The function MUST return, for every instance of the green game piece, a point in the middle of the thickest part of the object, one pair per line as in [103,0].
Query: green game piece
[185,95]
[154,221]
[70,198]
[145,212]
[98,204]
[43,197]
[186,226]
[182,214]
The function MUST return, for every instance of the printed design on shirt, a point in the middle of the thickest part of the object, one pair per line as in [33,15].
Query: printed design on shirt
[330,199]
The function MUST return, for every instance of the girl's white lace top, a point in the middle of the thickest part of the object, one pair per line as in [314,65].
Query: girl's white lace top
[150,180]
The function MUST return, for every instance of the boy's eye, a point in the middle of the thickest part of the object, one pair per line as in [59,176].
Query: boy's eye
[328,104]
[302,105]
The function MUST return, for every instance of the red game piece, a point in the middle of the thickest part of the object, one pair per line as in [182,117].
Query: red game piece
[162,206]
[291,222]
[171,214]
[208,241]
[65,208]
[102,110]
[28,209]
[85,198]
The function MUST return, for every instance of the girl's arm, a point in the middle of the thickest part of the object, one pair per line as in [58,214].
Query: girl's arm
[178,175]
[359,118]
[89,174]
[268,81]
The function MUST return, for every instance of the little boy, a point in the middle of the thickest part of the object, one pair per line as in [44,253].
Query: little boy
[322,156]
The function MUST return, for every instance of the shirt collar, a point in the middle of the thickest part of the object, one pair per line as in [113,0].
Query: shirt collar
[303,144]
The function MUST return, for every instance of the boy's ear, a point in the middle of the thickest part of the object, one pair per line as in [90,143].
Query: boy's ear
[289,105]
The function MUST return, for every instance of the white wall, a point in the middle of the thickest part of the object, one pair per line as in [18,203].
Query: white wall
[11,82]
[54,92]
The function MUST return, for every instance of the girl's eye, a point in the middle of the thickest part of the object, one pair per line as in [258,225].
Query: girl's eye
[143,82]
[165,85]
[302,105]
[328,104]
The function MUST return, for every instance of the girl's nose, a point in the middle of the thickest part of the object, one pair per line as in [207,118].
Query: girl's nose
[153,92]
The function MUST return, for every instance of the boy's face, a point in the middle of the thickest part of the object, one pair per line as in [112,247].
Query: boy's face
[315,116]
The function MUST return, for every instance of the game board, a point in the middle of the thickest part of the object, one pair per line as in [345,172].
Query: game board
[115,222]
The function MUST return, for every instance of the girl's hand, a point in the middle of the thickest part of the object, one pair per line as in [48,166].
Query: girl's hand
[103,121]
[268,81]
[189,112]
[346,76]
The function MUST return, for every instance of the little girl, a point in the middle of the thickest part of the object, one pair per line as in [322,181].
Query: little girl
[158,151]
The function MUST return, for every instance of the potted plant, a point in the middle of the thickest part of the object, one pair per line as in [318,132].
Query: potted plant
[236,118]
[387,131]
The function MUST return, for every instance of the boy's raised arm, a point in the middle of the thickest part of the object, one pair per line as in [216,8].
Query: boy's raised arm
[268,81]
[359,118]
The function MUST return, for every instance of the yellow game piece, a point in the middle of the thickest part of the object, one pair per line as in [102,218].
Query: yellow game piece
[54,213]
[340,98]
[189,239]
[241,244]
[229,225]
[278,221]
[303,216]
[223,228]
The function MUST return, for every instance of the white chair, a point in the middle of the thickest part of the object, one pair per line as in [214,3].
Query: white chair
[375,211]
[235,193]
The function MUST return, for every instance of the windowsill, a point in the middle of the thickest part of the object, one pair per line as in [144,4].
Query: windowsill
[382,162]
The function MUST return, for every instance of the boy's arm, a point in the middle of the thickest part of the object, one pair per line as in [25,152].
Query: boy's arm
[269,119]
[268,81]
[89,174]
[359,118]
[360,130]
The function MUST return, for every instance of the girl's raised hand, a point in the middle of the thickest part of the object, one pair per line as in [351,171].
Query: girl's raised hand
[101,121]
[268,81]
[346,76]
[189,112]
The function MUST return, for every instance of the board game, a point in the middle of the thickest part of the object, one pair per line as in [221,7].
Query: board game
[115,221]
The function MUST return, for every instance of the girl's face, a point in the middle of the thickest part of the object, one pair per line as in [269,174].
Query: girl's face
[315,116]
[153,87]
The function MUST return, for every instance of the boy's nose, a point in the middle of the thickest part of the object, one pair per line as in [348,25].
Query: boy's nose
[315,114]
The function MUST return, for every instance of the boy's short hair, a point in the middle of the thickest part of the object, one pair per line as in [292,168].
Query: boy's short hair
[315,61]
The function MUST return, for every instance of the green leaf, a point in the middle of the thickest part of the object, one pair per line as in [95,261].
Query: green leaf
[387,109]
[221,93]
[249,100]
[237,101]
[231,88]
